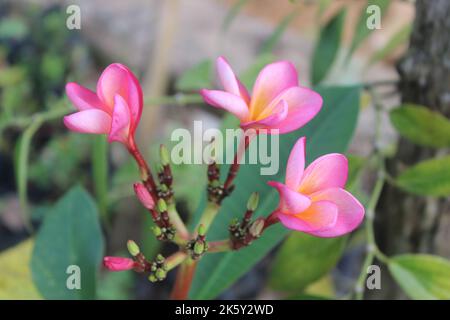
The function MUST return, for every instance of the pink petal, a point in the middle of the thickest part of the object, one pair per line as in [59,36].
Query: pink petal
[303,104]
[227,101]
[328,171]
[321,215]
[89,121]
[272,80]
[350,211]
[296,164]
[83,98]
[144,196]
[118,263]
[120,121]
[291,202]
[272,121]
[229,80]
[118,79]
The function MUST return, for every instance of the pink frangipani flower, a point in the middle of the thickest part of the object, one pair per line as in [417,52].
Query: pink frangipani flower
[115,109]
[313,200]
[277,101]
[118,263]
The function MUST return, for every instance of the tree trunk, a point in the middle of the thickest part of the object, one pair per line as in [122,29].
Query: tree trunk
[407,223]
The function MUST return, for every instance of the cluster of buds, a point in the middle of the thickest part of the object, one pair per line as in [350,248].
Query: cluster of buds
[163,229]
[216,191]
[242,233]
[165,190]
[158,269]
[198,246]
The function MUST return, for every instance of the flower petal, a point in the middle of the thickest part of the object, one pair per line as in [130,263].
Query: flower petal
[89,121]
[272,121]
[320,215]
[120,126]
[118,263]
[272,80]
[229,80]
[118,79]
[296,164]
[350,211]
[144,196]
[291,202]
[224,100]
[303,104]
[83,98]
[328,171]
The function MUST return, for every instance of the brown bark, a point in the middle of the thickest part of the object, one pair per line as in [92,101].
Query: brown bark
[408,223]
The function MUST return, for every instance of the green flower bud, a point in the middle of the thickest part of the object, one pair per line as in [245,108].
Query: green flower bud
[252,203]
[164,155]
[157,231]
[199,248]
[162,206]
[160,258]
[152,278]
[160,274]
[133,248]
[201,230]
[257,227]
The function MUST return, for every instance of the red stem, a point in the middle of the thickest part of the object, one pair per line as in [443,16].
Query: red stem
[183,280]
[236,163]
[270,220]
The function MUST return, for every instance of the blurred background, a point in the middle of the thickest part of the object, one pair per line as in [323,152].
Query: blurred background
[170,45]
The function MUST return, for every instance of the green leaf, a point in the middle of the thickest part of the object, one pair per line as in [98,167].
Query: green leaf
[303,259]
[327,47]
[428,178]
[330,131]
[69,235]
[100,172]
[421,125]
[15,279]
[198,77]
[274,38]
[232,13]
[355,165]
[422,276]
[400,37]
[361,29]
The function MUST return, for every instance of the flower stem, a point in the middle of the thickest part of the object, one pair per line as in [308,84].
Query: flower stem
[208,215]
[219,246]
[234,168]
[175,219]
[174,260]
[184,279]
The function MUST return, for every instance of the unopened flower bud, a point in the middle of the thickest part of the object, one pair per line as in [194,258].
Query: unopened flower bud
[133,248]
[160,274]
[199,248]
[201,230]
[162,206]
[257,227]
[144,196]
[157,231]
[164,155]
[252,202]
[160,258]
[152,278]
[118,263]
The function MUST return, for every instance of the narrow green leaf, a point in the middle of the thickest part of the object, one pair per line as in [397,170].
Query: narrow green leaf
[232,13]
[69,236]
[198,77]
[362,32]
[303,259]
[275,37]
[329,132]
[100,173]
[327,47]
[400,37]
[421,276]
[427,178]
[421,125]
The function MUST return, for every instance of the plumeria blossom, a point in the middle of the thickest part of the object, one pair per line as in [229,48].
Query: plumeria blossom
[277,100]
[313,200]
[118,263]
[115,109]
